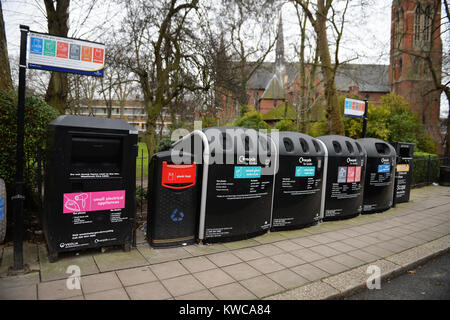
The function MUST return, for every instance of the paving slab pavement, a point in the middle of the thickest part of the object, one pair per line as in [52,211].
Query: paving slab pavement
[326,261]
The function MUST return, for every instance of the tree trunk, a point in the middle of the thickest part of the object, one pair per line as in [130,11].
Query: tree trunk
[57,20]
[335,121]
[5,71]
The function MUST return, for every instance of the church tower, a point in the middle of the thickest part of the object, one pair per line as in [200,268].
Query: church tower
[279,50]
[415,34]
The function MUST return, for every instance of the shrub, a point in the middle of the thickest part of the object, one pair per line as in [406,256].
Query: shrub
[317,129]
[286,125]
[164,144]
[251,120]
[391,121]
[37,116]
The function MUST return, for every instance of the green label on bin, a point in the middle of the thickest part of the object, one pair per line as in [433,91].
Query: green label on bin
[247,172]
[305,171]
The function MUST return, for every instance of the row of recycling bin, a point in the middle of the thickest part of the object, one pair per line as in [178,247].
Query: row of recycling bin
[214,185]
[238,194]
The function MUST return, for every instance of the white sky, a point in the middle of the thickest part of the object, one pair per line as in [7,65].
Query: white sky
[366,35]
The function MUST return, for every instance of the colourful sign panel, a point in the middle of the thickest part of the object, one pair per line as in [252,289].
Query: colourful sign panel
[354,108]
[54,53]
[93,201]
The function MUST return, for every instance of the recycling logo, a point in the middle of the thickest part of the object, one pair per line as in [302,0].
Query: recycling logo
[177,216]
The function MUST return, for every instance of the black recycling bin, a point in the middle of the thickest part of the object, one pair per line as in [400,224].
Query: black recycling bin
[172,218]
[298,182]
[403,171]
[90,184]
[380,175]
[237,182]
[344,177]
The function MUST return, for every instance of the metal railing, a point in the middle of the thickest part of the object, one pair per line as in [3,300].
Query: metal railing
[426,170]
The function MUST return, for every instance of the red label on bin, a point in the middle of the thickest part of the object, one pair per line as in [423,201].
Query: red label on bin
[178,173]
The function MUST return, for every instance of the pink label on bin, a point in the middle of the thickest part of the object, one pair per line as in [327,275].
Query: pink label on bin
[357,174]
[93,201]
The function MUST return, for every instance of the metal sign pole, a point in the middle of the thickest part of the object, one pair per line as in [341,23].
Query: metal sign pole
[365,118]
[19,197]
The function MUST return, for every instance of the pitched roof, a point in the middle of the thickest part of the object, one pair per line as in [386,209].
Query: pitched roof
[275,89]
[368,77]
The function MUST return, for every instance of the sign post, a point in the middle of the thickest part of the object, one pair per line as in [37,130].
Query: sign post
[50,53]
[357,109]
[365,118]
[18,198]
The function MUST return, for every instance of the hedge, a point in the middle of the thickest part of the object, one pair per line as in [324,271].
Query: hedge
[37,116]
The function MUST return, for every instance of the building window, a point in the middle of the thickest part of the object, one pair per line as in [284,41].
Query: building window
[417,25]
[427,24]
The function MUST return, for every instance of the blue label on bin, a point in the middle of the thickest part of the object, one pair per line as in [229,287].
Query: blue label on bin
[247,172]
[2,209]
[305,171]
[383,168]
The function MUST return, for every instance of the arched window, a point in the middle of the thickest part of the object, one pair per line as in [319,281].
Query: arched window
[427,24]
[417,25]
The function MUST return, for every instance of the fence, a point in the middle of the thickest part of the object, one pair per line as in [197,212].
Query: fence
[426,169]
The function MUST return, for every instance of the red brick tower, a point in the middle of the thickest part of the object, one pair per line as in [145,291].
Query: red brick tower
[415,34]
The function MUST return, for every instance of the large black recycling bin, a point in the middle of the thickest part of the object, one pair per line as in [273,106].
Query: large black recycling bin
[298,182]
[344,178]
[172,218]
[403,171]
[237,199]
[90,182]
[380,175]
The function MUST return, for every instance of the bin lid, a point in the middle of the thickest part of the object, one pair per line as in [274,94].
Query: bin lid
[377,148]
[236,139]
[295,143]
[404,149]
[341,146]
[93,122]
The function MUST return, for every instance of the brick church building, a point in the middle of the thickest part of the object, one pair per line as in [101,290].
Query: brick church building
[415,30]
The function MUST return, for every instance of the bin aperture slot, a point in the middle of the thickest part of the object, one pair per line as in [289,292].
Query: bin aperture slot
[175,174]
[96,155]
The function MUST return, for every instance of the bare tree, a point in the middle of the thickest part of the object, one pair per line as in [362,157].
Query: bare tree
[157,44]
[322,14]
[57,21]
[252,36]
[308,71]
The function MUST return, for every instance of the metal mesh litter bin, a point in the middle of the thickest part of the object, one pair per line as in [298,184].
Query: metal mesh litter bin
[172,218]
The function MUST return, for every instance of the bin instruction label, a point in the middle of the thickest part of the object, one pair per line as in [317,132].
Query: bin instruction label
[247,172]
[305,171]
[384,168]
[93,201]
